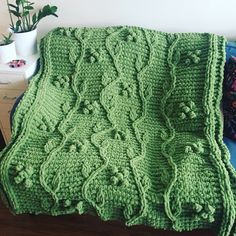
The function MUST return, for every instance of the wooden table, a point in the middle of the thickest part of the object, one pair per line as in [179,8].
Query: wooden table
[76,225]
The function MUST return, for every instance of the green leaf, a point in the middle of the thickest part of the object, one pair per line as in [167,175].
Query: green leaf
[18,2]
[13,6]
[26,13]
[34,18]
[15,13]
[28,8]
[18,23]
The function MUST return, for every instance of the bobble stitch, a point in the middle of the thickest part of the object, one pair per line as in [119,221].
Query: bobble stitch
[80,207]
[127,89]
[131,37]
[205,212]
[46,125]
[52,143]
[62,82]
[93,55]
[119,135]
[193,57]
[194,148]
[67,203]
[97,127]
[23,175]
[119,176]
[81,147]
[66,107]
[91,107]
[187,110]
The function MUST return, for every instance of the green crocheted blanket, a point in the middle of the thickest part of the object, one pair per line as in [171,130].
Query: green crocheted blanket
[124,123]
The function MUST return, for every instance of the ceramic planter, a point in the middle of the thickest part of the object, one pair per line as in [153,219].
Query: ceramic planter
[26,43]
[7,52]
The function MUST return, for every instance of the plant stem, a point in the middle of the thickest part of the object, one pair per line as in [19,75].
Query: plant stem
[12,24]
[23,17]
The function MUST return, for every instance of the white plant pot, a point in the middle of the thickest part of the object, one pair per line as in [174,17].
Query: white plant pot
[7,52]
[26,43]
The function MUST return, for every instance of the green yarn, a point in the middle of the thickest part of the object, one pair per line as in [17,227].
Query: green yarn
[123,122]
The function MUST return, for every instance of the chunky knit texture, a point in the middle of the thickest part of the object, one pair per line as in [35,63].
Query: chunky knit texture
[123,122]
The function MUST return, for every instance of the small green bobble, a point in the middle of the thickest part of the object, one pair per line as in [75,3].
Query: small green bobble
[57,84]
[198,52]
[80,207]
[66,78]
[22,174]
[125,93]
[120,176]
[192,115]
[96,105]
[126,173]
[28,183]
[90,107]
[92,59]
[188,149]
[18,179]
[187,61]
[19,167]
[61,80]
[130,37]
[189,53]
[86,111]
[204,215]
[196,59]
[182,104]
[114,180]
[67,203]
[86,102]
[211,209]
[186,109]
[114,170]
[66,85]
[125,182]
[182,116]
[73,148]
[211,219]
[29,170]
[197,207]
[43,127]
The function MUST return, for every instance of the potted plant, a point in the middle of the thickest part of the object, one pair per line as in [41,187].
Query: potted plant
[24,23]
[7,49]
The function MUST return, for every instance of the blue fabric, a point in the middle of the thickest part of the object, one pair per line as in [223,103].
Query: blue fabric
[231,145]
[230,50]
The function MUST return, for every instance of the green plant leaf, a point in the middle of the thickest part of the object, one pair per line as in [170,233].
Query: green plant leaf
[18,2]
[13,6]
[26,13]
[18,23]
[34,18]
[29,8]
[15,13]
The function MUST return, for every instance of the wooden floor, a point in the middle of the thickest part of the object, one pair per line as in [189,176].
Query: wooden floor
[75,225]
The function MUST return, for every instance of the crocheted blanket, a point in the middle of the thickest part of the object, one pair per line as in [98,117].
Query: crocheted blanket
[124,123]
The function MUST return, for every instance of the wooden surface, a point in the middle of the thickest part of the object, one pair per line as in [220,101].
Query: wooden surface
[75,225]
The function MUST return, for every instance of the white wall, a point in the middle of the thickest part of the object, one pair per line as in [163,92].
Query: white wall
[217,16]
